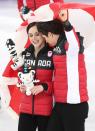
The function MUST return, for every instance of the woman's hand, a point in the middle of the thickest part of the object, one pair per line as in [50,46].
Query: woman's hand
[63,15]
[37,89]
[23,89]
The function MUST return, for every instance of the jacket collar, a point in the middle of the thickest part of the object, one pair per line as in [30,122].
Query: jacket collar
[42,51]
[61,38]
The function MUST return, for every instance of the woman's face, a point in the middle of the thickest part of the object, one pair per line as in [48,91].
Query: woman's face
[35,37]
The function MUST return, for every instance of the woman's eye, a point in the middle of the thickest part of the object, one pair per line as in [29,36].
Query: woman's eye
[30,35]
[37,34]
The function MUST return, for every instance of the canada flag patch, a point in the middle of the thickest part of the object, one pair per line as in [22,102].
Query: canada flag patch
[49,53]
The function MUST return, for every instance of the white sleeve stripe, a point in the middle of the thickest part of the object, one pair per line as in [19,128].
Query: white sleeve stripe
[73,41]
[73,95]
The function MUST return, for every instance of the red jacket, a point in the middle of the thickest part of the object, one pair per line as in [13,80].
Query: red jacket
[42,103]
[34,4]
[70,83]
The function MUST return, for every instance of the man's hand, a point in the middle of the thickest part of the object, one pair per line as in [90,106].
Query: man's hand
[63,15]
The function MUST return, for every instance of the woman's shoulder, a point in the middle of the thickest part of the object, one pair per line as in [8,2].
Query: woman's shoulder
[29,49]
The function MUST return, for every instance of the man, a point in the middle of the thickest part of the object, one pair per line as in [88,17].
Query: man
[70,81]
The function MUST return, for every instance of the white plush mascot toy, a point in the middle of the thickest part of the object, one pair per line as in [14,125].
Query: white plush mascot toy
[27,80]
[17,59]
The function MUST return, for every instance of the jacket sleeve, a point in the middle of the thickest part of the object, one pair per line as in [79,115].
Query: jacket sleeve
[48,87]
[72,39]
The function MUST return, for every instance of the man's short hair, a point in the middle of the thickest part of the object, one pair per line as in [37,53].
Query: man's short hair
[54,26]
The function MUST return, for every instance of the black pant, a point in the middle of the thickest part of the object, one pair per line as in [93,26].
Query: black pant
[68,117]
[28,122]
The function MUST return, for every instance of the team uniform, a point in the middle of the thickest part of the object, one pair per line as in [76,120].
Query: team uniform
[70,83]
[35,110]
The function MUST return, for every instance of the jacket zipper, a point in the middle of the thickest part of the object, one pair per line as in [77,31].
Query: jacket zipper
[33,96]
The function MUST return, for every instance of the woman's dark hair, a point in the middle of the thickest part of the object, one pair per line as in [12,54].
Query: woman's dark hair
[30,25]
[54,26]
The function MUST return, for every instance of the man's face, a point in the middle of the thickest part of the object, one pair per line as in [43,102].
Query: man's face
[50,39]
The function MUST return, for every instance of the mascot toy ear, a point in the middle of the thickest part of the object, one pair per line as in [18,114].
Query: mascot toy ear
[11,48]
[19,74]
[33,72]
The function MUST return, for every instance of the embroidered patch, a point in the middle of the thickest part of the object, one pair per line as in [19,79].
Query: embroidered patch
[49,53]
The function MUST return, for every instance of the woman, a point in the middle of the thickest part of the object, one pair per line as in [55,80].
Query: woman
[35,109]
[70,83]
